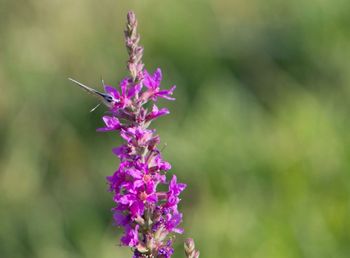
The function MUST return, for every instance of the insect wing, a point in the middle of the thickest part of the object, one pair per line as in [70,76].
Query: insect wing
[103,97]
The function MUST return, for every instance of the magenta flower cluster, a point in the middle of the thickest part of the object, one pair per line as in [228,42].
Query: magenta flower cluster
[147,215]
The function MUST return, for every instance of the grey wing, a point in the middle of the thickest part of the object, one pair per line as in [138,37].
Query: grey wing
[103,97]
[88,89]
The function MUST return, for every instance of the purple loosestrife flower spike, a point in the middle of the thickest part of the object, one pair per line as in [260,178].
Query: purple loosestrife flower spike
[148,217]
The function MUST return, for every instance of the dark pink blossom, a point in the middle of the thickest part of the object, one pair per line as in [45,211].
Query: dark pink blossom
[112,123]
[130,237]
[156,113]
[152,82]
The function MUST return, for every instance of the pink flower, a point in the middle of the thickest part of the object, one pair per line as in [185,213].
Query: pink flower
[112,123]
[156,113]
[153,85]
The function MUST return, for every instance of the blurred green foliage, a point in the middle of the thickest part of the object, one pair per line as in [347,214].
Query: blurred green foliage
[259,130]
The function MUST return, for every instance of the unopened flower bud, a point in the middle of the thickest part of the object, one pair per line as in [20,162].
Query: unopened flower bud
[131,17]
[139,220]
[141,248]
[190,249]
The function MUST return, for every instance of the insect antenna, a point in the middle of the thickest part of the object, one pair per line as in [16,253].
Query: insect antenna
[92,110]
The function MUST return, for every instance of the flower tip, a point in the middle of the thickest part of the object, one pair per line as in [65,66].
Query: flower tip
[131,17]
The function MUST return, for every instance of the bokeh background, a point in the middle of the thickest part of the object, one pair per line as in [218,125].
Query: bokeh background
[259,130]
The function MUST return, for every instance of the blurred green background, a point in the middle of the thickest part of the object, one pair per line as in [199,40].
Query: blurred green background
[259,130]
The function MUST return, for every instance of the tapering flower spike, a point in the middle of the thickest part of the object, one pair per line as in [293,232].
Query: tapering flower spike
[149,217]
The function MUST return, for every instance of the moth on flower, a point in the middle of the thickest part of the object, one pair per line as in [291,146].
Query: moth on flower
[106,98]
